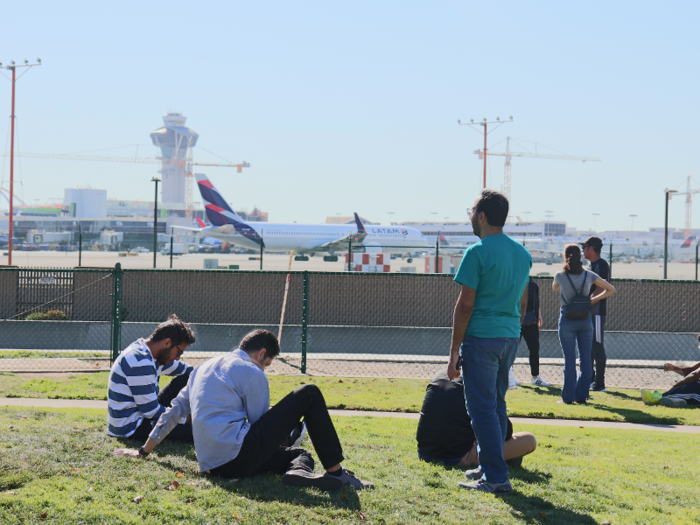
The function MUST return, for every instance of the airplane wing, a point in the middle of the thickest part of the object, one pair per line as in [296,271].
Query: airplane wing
[342,243]
[186,228]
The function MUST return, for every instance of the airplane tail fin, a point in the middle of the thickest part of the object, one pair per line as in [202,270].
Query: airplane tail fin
[200,222]
[442,240]
[360,226]
[688,242]
[217,209]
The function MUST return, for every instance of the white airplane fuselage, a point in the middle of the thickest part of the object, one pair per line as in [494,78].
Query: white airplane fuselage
[306,238]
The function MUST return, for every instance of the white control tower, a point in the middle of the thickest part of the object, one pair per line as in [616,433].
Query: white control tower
[175,142]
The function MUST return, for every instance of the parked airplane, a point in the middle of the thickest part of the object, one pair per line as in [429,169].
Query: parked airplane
[303,239]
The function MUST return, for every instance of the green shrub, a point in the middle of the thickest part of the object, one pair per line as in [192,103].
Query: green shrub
[51,315]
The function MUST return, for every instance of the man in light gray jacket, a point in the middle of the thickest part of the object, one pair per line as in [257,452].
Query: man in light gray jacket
[237,434]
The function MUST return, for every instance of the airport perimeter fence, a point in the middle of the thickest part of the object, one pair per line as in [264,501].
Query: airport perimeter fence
[348,324]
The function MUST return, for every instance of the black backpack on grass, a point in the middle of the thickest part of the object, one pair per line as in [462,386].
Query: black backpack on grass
[579,308]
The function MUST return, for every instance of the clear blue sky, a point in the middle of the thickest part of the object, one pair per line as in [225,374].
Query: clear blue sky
[353,106]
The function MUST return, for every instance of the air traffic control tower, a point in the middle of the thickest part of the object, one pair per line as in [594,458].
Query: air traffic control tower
[175,142]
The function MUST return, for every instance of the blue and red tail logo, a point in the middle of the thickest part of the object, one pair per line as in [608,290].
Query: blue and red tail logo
[220,213]
[688,242]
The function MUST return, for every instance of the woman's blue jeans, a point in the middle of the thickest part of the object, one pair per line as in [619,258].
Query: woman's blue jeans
[571,333]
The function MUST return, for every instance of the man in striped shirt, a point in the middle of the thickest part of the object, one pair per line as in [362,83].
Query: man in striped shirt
[134,401]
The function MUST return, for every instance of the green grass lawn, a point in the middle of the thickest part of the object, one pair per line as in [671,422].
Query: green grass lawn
[59,464]
[395,395]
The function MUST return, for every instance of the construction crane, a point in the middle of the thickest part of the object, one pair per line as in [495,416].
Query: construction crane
[143,160]
[509,154]
[688,207]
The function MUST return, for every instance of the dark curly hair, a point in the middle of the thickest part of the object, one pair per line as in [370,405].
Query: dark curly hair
[176,329]
[572,259]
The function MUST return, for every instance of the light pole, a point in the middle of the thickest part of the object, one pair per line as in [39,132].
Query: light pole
[13,67]
[527,216]
[485,133]
[548,214]
[391,215]
[667,197]
[595,222]
[155,221]
[632,216]
[433,213]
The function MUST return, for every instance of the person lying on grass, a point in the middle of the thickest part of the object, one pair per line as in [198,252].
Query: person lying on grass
[134,402]
[445,433]
[237,434]
[685,392]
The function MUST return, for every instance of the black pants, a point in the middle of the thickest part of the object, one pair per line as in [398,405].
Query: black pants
[531,333]
[261,451]
[598,352]
[181,432]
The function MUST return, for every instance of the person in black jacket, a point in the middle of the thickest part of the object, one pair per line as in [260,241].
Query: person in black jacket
[591,251]
[445,432]
[530,330]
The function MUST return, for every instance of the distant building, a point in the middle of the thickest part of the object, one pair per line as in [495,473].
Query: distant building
[84,203]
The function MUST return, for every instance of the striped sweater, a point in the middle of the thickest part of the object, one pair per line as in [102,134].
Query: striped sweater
[133,388]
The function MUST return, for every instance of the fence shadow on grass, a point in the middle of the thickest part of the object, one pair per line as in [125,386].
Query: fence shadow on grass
[268,487]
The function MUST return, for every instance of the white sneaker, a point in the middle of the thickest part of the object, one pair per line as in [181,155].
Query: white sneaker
[512,383]
[539,382]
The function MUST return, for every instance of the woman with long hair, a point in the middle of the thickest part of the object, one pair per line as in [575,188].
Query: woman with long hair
[574,287]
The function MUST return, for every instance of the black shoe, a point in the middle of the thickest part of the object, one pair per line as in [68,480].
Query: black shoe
[302,478]
[581,402]
[595,388]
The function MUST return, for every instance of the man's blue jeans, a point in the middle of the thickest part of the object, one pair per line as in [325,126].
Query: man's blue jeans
[570,333]
[485,365]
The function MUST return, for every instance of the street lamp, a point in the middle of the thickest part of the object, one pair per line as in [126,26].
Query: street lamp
[632,216]
[595,217]
[667,197]
[155,221]
[391,214]
[433,213]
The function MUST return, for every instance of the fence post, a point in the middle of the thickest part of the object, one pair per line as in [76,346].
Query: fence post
[171,248]
[262,249]
[610,256]
[350,255]
[304,321]
[80,245]
[437,254]
[116,324]
[696,260]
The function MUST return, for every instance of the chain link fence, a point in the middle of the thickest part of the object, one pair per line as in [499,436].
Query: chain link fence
[337,324]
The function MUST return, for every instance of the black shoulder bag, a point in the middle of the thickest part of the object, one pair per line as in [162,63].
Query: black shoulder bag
[579,308]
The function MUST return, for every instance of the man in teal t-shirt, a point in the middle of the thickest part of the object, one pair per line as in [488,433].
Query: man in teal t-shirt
[486,329]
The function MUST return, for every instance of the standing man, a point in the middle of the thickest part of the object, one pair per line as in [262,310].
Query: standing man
[133,401]
[485,332]
[591,251]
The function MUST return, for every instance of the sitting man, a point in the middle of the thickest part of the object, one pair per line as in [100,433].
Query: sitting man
[685,392]
[445,432]
[133,399]
[237,434]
